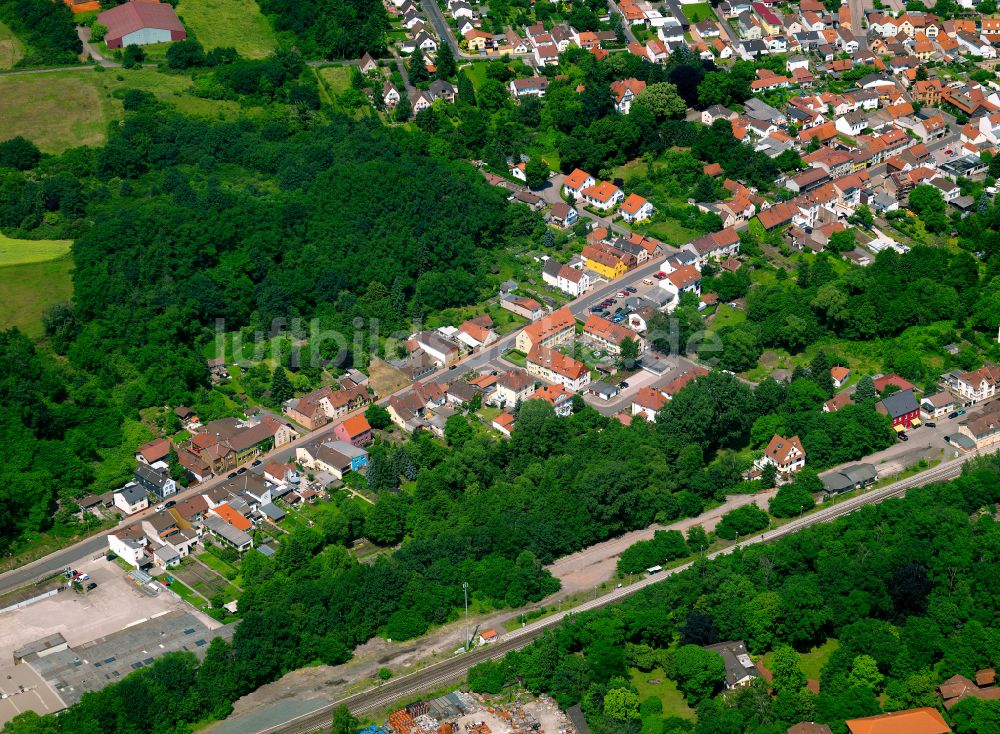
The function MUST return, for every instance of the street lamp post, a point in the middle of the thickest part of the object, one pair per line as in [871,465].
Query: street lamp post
[465,590]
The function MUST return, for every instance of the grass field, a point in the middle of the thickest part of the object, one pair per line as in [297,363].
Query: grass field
[670,231]
[725,316]
[11,50]
[666,690]
[337,78]
[697,12]
[65,109]
[229,23]
[27,290]
[811,663]
[20,252]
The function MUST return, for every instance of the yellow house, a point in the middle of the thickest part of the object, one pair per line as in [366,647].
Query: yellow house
[603,262]
[477,39]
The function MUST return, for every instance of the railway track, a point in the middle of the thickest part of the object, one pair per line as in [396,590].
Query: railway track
[454,669]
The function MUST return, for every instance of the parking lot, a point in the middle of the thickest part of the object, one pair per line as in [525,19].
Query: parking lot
[80,617]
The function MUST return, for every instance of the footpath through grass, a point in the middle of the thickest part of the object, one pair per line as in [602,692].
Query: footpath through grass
[236,23]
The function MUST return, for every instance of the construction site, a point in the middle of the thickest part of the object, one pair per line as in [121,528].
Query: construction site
[468,713]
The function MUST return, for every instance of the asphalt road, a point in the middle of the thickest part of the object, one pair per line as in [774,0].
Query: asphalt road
[97,544]
[454,669]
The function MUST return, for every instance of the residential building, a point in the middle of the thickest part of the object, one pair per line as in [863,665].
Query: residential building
[155,481]
[785,454]
[552,366]
[937,405]
[840,375]
[572,281]
[336,457]
[576,182]
[554,330]
[321,406]
[983,428]
[534,86]
[523,306]
[609,336]
[647,402]
[154,451]
[625,92]
[513,387]
[605,260]
[441,349]
[902,409]
[975,386]
[740,669]
[131,499]
[557,396]
[228,533]
[925,720]
[504,423]
[636,209]
[603,196]
[129,544]
[355,430]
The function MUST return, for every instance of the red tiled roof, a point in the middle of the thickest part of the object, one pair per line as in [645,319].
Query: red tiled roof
[134,16]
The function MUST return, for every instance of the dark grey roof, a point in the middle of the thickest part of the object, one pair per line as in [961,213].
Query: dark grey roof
[132,493]
[272,511]
[900,403]
[737,660]
[860,473]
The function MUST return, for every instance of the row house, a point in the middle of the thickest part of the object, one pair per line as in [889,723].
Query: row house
[609,336]
[572,281]
[558,368]
[321,406]
[974,386]
[551,331]
[606,260]
[715,246]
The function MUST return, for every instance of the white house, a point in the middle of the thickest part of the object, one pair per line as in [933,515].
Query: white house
[131,499]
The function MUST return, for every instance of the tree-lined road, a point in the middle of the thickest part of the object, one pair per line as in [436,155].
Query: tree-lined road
[454,669]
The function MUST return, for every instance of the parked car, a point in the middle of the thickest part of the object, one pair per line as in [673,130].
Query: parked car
[596,309]
[257,462]
[84,577]
[170,503]
[630,289]
[241,470]
[232,475]
[91,586]
[960,411]
[161,508]
[903,437]
[931,424]
[623,384]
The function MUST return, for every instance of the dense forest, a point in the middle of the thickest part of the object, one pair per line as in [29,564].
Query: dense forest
[907,588]
[924,286]
[907,583]
[474,514]
[48,31]
[180,222]
[343,29]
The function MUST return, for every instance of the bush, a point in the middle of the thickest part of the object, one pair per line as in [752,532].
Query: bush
[742,521]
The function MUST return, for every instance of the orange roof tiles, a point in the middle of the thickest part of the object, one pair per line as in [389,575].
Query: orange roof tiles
[231,516]
[914,721]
